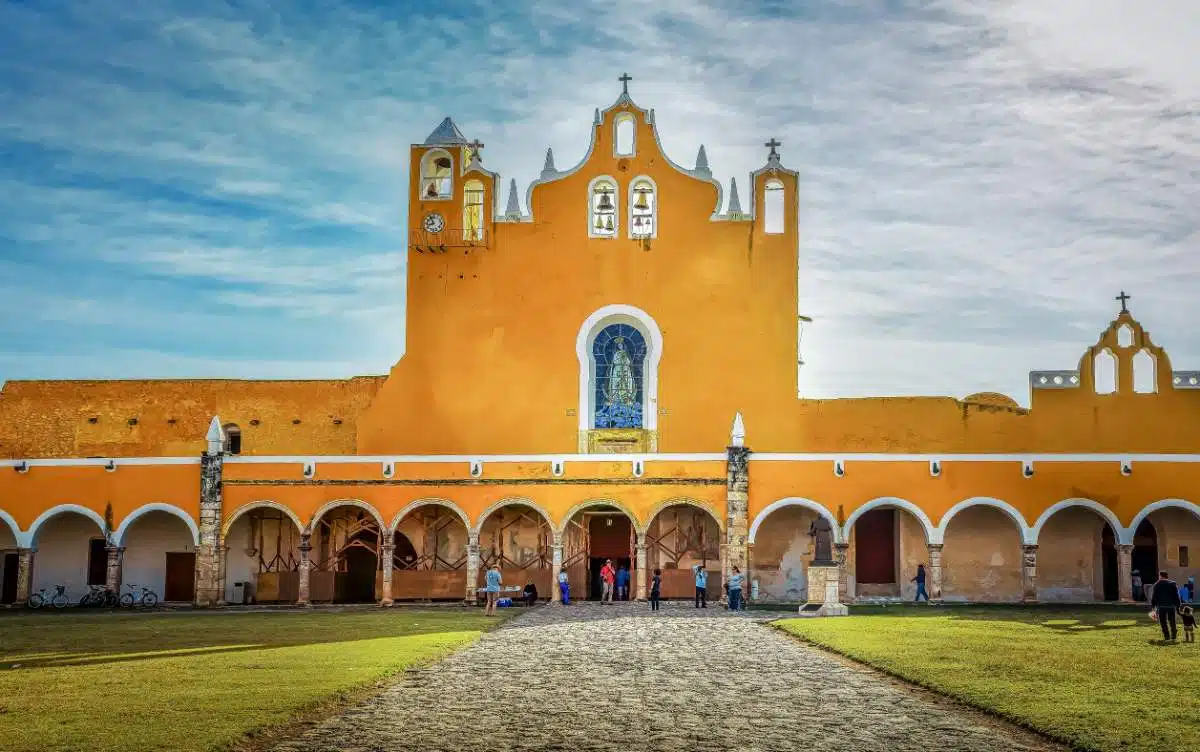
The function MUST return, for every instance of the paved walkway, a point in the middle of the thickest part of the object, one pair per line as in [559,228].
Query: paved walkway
[592,677]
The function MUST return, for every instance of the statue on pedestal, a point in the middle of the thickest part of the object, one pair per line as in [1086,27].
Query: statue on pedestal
[822,534]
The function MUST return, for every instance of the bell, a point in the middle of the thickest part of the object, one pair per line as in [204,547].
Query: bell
[641,203]
[599,224]
[606,203]
[608,224]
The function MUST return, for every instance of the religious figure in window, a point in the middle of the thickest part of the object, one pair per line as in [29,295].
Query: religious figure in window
[436,180]
[604,209]
[642,209]
[619,352]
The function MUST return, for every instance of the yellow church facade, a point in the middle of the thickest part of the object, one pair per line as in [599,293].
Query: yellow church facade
[609,372]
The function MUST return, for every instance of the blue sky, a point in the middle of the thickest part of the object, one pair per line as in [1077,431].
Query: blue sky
[205,189]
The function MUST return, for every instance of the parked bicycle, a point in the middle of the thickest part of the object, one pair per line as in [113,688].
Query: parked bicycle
[98,596]
[146,597]
[44,597]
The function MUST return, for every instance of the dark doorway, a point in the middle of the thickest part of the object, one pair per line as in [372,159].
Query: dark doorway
[181,577]
[596,563]
[8,591]
[357,583]
[875,548]
[1145,555]
[610,536]
[1108,563]
[97,561]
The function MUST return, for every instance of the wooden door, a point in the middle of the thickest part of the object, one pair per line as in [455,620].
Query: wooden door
[8,593]
[181,577]
[875,548]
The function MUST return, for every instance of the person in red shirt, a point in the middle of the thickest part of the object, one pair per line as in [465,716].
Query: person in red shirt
[608,576]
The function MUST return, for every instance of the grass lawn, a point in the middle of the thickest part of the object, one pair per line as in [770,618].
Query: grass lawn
[1095,678]
[198,681]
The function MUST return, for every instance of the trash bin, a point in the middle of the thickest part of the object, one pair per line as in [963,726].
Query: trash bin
[239,593]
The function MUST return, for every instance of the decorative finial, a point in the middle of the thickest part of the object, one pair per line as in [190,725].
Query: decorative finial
[596,117]
[625,79]
[215,437]
[734,209]
[1124,299]
[476,147]
[738,434]
[702,162]
[513,210]
[773,155]
[548,170]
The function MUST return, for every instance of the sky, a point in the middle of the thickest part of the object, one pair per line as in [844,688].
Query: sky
[218,189]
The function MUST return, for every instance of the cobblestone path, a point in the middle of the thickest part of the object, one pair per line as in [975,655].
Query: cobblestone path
[615,678]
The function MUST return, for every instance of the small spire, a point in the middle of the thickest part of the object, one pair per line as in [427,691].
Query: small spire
[738,435]
[446,133]
[735,206]
[596,117]
[548,170]
[513,211]
[702,163]
[215,437]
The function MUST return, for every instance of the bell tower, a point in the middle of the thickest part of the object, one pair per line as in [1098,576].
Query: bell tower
[450,193]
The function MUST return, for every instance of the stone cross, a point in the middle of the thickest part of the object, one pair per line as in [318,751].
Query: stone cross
[1124,299]
[772,144]
[625,79]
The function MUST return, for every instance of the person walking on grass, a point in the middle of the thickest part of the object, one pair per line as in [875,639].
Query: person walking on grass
[492,589]
[735,589]
[920,580]
[655,589]
[1189,623]
[564,587]
[701,586]
[1165,598]
[607,577]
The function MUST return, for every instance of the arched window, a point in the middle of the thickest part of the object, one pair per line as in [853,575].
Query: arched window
[624,133]
[437,176]
[1125,336]
[643,208]
[619,356]
[773,208]
[233,438]
[1104,372]
[1144,372]
[602,195]
[473,210]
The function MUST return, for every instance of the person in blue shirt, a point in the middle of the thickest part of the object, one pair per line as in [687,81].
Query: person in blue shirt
[735,589]
[701,586]
[492,589]
[622,584]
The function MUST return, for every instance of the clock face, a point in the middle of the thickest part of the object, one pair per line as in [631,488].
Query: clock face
[434,222]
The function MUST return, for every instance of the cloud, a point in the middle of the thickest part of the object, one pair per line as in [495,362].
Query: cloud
[217,184]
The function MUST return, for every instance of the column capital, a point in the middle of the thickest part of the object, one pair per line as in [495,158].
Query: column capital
[1125,548]
[115,549]
[1029,548]
[935,548]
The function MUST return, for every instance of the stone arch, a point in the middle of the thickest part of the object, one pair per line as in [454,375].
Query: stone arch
[684,501]
[123,528]
[335,503]
[1122,534]
[560,530]
[54,511]
[1012,512]
[593,325]
[931,532]
[795,501]
[264,504]
[431,501]
[1149,509]
[509,500]
[19,536]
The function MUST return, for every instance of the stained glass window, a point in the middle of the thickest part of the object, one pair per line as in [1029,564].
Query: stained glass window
[619,351]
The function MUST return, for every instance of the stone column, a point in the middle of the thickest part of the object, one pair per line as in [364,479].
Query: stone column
[208,566]
[1029,574]
[737,501]
[642,589]
[302,598]
[24,574]
[1125,572]
[222,557]
[556,562]
[386,553]
[471,595]
[112,572]
[935,571]
[840,551]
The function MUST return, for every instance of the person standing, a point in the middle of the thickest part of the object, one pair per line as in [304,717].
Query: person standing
[701,587]
[920,580]
[1165,598]
[622,584]
[492,589]
[655,589]
[1189,623]
[735,589]
[564,587]
[1139,592]
[607,577]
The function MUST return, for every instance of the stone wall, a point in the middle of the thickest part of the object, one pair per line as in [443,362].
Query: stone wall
[147,542]
[981,561]
[62,554]
[782,552]
[1069,558]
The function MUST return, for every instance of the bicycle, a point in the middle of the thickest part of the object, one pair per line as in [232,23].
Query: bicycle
[99,597]
[43,597]
[147,598]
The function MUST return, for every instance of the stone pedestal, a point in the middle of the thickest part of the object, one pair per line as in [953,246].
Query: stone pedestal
[386,554]
[1029,574]
[840,553]
[112,571]
[824,598]
[1125,572]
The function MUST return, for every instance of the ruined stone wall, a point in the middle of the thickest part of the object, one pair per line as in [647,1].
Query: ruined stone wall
[782,552]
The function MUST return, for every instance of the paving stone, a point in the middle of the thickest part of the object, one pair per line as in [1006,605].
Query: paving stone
[607,678]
